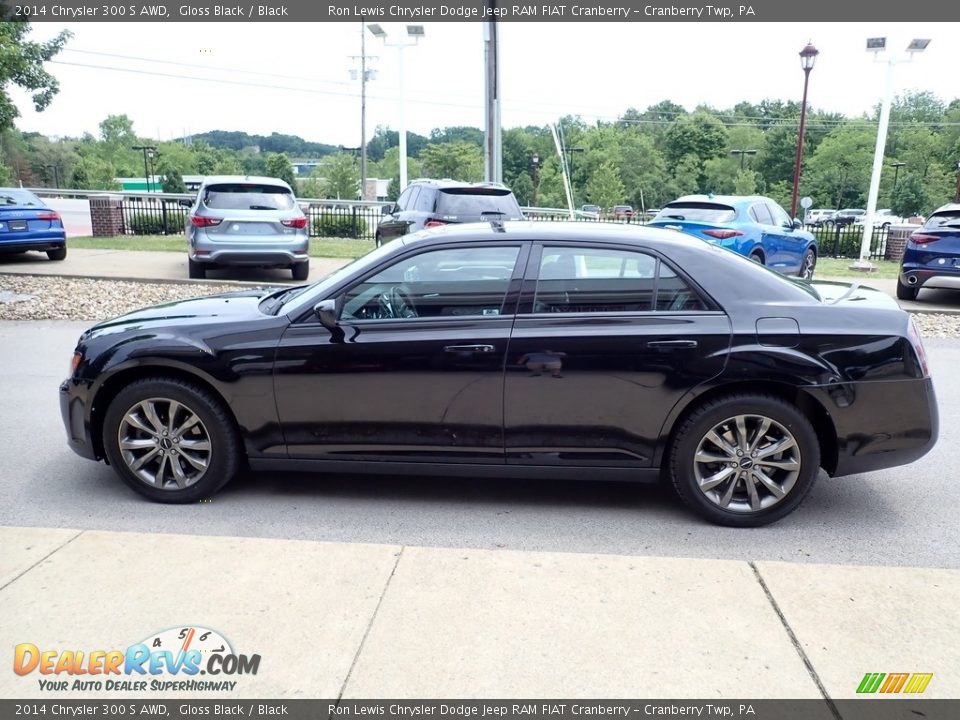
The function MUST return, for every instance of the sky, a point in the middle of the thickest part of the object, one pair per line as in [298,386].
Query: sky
[178,78]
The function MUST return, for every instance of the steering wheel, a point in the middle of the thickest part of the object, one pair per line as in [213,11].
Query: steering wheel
[396,303]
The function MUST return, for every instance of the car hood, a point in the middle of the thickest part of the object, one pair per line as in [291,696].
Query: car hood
[195,311]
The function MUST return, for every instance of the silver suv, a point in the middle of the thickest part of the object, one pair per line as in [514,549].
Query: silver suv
[243,220]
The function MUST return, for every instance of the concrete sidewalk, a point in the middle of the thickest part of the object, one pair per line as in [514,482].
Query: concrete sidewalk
[172,267]
[370,621]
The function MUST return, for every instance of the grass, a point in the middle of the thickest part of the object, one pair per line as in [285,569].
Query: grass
[319,247]
[828,267]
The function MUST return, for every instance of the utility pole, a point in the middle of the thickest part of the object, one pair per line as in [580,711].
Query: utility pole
[363,110]
[493,159]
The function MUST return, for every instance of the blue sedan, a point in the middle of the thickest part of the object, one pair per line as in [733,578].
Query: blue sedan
[754,226]
[27,224]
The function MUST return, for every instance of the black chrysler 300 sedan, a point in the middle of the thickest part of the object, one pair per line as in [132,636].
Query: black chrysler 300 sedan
[550,349]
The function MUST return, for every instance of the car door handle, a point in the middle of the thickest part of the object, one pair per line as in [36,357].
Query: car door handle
[469,348]
[668,344]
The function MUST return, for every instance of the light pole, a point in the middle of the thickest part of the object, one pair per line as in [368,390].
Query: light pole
[876,46]
[414,33]
[742,153]
[146,172]
[896,172]
[535,171]
[364,76]
[808,56]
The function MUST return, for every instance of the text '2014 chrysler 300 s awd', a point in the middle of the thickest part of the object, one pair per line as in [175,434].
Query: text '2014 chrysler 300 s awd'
[554,350]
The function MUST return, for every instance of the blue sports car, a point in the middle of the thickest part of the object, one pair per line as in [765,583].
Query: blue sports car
[932,257]
[27,224]
[751,225]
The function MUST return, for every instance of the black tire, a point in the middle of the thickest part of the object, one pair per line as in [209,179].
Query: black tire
[378,239]
[197,271]
[906,292]
[757,257]
[808,265]
[721,412]
[58,254]
[301,270]
[216,426]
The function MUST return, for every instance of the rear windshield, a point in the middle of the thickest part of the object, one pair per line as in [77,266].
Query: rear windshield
[697,212]
[943,219]
[241,196]
[471,202]
[21,198]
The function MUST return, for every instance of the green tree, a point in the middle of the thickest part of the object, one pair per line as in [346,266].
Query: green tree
[909,197]
[172,179]
[605,187]
[457,161]
[21,64]
[342,176]
[278,166]
[746,183]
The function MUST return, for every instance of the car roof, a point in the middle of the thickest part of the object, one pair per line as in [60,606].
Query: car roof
[724,199]
[949,207]
[244,179]
[562,230]
[448,182]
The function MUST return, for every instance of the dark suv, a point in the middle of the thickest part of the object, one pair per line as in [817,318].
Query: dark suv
[429,203]
[848,216]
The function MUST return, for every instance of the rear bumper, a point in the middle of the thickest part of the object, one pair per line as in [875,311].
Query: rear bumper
[266,252]
[20,242]
[925,276]
[880,424]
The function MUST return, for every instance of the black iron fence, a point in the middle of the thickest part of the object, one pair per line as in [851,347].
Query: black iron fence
[146,215]
[845,240]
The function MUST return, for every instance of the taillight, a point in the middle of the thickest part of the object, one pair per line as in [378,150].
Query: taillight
[47,215]
[299,223]
[923,238]
[917,342]
[723,234]
[201,221]
[433,223]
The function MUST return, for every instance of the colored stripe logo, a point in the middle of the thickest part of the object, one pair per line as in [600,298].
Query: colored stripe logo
[890,683]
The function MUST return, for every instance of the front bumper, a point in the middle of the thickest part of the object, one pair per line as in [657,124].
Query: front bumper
[75,412]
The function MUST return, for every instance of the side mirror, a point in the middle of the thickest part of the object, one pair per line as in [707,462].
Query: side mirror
[328,311]
[185,203]
[797,224]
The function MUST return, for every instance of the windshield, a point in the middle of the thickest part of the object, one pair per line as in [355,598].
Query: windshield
[698,212]
[473,203]
[247,196]
[312,294]
[21,198]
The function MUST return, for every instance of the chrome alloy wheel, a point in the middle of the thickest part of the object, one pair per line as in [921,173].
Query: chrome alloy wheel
[809,263]
[747,463]
[164,443]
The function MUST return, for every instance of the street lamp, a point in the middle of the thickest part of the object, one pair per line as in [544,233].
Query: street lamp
[414,33]
[896,172]
[146,172]
[876,46]
[808,56]
[742,153]
[535,170]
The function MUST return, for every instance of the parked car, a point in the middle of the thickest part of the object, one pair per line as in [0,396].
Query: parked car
[433,203]
[590,212]
[26,223]
[754,226]
[848,216]
[820,217]
[932,255]
[882,219]
[246,221]
[622,212]
[566,349]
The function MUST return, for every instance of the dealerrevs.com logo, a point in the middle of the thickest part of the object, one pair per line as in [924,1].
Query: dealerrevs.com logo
[179,659]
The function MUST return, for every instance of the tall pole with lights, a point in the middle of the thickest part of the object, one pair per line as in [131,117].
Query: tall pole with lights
[146,149]
[808,57]
[743,153]
[876,46]
[414,33]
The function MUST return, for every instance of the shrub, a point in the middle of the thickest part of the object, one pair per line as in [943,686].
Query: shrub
[330,224]
[141,223]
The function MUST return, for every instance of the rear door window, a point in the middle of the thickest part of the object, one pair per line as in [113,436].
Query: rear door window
[247,196]
[477,204]
[698,212]
[761,214]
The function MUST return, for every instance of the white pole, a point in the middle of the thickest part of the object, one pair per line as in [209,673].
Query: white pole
[864,261]
[403,126]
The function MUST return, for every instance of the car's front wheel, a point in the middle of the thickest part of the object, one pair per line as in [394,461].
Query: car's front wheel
[744,460]
[906,292]
[59,253]
[808,265]
[170,440]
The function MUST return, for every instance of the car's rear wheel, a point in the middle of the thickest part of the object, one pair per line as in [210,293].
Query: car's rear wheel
[808,265]
[906,292]
[301,270]
[757,257]
[744,460]
[170,440]
[59,253]
[196,270]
